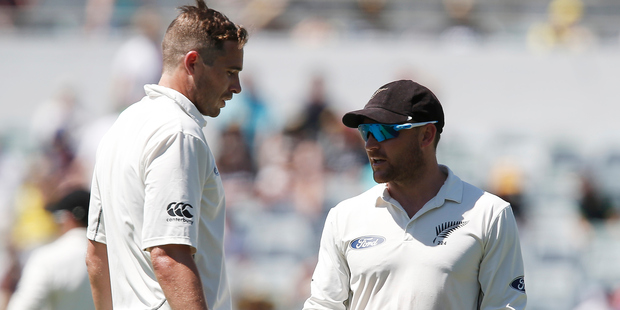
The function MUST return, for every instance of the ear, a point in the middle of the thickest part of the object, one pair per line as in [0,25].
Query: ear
[190,60]
[428,135]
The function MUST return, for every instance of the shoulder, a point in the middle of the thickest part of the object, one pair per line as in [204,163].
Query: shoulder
[161,117]
[361,204]
[486,198]
[484,206]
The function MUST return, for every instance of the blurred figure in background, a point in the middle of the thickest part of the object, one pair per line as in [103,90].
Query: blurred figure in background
[373,15]
[595,206]
[9,12]
[136,63]
[55,122]
[506,181]
[563,28]
[55,276]
[308,123]
[254,303]
[138,60]
[461,27]
[235,156]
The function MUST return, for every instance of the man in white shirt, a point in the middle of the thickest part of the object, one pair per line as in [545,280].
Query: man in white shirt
[156,221]
[422,238]
[55,276]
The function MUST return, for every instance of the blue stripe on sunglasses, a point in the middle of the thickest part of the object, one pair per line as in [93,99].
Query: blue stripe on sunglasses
[383,132]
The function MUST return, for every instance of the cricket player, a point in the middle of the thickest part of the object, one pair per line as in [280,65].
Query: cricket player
[422,238]
[156,220]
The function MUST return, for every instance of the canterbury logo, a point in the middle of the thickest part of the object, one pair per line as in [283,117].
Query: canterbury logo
[180,212]
[444,230]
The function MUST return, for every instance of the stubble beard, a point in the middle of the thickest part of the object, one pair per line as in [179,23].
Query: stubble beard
[408,169]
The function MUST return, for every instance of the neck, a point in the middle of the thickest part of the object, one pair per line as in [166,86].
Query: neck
[414,193]
[173,81]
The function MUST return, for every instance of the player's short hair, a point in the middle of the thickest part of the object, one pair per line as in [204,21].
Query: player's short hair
[201,29]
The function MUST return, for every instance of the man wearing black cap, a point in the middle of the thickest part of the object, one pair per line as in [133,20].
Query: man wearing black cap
[55,275]
[422,238]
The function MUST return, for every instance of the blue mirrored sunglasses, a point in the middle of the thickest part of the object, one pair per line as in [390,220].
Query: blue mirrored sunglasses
[383,132]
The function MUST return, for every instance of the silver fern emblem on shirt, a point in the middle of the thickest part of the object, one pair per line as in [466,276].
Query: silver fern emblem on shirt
[444,230]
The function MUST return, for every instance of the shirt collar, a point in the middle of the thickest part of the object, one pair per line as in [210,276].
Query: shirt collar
[452,189]
[155,91]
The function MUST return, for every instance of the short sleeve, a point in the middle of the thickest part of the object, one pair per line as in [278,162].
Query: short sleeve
[96,226]
[330,281]
[175,175]
[501,270]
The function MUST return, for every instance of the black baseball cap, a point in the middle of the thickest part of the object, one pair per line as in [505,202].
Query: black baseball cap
[75,202]
[398,102]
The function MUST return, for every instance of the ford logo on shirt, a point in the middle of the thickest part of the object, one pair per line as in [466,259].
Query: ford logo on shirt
[366,242]
[518,284]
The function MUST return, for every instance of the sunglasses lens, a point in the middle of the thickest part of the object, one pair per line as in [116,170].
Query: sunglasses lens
[381,132]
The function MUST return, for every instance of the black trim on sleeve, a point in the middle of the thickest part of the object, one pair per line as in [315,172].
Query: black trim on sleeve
[98,222]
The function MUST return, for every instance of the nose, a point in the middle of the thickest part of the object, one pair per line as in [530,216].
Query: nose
[235,85]
[371,143]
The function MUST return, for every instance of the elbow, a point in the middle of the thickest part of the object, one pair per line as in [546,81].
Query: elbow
[166,259]
[161,261]
[96,258]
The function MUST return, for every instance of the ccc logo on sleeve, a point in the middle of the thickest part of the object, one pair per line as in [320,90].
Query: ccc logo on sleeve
[180,212]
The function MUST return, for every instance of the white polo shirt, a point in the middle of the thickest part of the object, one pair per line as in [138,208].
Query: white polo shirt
[156,183]
[461,251]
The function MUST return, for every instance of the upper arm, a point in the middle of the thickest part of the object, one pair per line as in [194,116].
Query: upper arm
[96,225]
[175,175]
[501,269]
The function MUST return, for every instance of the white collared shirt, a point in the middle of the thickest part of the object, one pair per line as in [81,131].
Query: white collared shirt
[156,183]
[461,251]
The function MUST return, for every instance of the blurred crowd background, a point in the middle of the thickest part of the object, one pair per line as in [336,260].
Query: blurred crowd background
[529,88]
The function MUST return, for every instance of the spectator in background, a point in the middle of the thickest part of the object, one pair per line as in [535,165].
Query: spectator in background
[507,183]
[138,60]
[9,12]
[563,29]
[461,26]
[254,303]
[594,205]
[308,124]
[250,114]
[136,63]
[57,119]
[235,156]
[259,120]
[373,15]
[55,276]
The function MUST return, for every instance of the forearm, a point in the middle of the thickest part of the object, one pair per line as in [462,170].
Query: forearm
[99,275]
[178,277]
